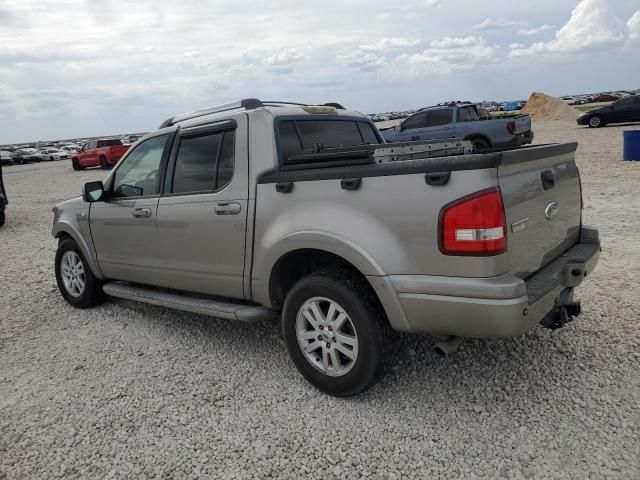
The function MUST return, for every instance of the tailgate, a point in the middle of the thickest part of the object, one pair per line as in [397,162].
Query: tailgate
[541,193]
[523,124]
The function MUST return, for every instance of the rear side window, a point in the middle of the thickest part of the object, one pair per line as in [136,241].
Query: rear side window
[467,114]
[204,162]
[109,143]
[296,137]
[440,117]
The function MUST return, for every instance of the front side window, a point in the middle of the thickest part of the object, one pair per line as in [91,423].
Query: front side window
[418,120]
[624,102]
[204,162]
[440,117]
[139,173]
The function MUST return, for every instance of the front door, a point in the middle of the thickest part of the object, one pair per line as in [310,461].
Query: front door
[202,216]
[123,227]
[413,127]
[439,125]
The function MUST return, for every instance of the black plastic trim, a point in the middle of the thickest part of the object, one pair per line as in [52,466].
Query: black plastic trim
[431,165]
[437,179]
[351,183]
[284,187]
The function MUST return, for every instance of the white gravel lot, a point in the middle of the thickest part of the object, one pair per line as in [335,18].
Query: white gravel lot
[134,391]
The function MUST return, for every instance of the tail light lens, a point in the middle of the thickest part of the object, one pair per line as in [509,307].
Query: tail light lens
[474,225]
[511,128]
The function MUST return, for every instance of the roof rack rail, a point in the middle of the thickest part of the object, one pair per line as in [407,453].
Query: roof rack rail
[245,104]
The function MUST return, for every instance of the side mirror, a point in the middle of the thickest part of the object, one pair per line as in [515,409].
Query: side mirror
[93,191]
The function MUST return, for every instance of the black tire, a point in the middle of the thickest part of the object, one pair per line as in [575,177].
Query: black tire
[51,158]
[103,163]
[480,145]
[370,325]
[596,121]
[2,218]
[92,294]
[75,164]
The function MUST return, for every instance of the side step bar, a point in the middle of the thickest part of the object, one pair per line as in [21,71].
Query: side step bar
[204,306]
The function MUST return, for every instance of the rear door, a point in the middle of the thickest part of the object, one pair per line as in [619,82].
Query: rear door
[202,216]
[439,124]
[541,193]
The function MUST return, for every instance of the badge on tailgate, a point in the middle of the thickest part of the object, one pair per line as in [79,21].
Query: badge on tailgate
[519,225]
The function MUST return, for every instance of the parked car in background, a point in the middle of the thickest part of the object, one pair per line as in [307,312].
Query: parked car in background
[5,157]
[103,153]
[26,155]
[70,148]
[462,121]
[627,109]
[52,154]
[605,98]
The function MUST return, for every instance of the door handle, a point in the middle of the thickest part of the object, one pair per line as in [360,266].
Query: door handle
[232,208]
[141,212]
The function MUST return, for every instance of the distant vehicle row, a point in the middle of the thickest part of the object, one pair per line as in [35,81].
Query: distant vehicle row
[29,155]
[626,109]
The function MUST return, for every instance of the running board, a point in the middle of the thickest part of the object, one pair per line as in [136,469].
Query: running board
[204,306]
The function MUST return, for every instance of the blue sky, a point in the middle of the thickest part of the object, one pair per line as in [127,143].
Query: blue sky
[89,67]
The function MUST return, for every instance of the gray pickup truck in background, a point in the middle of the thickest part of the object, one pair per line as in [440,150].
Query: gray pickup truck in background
[463,121]
[255,210]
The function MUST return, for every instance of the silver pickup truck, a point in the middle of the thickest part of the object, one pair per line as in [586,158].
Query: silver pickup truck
[466,122]
[255,210]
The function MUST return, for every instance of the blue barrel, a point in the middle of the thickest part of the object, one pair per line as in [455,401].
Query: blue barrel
[631,145]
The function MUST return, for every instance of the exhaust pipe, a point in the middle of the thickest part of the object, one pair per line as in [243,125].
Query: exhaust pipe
[448,345]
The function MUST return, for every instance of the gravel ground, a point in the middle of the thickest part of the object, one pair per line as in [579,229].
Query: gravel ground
[134,391]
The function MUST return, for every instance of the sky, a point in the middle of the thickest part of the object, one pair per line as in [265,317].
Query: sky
[72,68]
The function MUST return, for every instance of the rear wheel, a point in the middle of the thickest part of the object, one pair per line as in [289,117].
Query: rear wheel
[75,164]
[75,279]
[596,121]
[103,163]
[334,329]
[480,145]
[2,218]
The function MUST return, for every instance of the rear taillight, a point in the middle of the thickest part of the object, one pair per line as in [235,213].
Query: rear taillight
[511,128]
[474,225]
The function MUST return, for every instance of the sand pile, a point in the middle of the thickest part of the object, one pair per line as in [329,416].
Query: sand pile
[543,107]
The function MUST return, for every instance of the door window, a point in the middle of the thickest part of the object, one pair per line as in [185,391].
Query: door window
[467,114]
[624,102]
[204,162]
[139,173]
[440,117]
[419,120]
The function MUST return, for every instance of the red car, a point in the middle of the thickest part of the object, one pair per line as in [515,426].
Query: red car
[104,153]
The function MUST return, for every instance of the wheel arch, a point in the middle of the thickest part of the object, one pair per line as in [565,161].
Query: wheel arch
[479,136]
[62,230]
[292,264]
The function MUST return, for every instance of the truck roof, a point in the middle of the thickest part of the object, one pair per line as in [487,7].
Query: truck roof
[276,108]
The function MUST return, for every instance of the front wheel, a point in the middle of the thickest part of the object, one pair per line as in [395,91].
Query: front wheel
[103,163]
[334,329]
[596,121]
[75,164]
[2,218]
[480,145]
[75,280]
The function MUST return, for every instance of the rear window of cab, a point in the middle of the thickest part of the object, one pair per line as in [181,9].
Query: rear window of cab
[296,137]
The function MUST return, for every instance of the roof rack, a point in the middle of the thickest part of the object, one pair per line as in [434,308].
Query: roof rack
[244,104]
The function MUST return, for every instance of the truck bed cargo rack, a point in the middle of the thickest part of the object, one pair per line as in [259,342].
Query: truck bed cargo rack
[244,104]
[320,157]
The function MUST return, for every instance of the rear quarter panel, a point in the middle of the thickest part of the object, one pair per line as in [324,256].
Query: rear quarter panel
[387,227]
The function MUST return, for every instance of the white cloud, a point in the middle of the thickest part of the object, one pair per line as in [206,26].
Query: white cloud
[634,26]
[527,32]
[283,57]
[432,3]
[450,54]
[497,24]
[593,25]
[388,43]
[363,60]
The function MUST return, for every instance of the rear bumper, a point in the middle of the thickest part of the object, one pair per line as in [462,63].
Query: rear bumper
[503,306]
